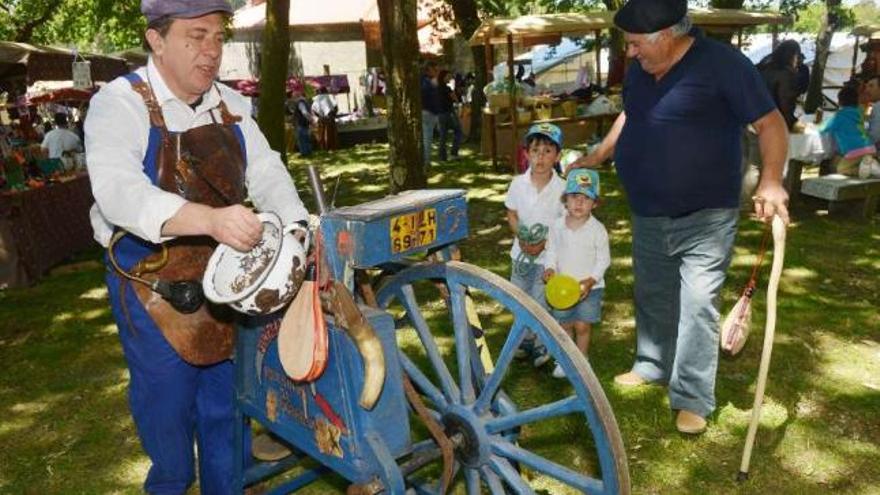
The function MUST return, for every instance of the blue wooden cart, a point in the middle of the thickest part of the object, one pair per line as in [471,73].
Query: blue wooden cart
[428,318]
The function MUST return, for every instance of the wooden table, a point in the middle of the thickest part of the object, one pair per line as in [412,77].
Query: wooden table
[575,131]
[41,227]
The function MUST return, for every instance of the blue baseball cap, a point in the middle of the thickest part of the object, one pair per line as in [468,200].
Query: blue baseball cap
[583,181]
[182,9]
[551,131]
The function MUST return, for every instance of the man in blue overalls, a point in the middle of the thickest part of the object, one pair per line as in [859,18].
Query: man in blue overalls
[172,155]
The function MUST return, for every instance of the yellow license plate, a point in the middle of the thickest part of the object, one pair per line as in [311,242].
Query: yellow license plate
[413,230]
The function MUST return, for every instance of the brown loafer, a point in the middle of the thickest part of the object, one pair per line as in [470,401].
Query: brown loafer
[690,423]
[630,379]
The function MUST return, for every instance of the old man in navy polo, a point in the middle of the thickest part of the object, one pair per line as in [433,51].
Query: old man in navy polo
[676,148]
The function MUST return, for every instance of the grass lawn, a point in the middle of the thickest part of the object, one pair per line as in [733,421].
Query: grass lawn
[65,426]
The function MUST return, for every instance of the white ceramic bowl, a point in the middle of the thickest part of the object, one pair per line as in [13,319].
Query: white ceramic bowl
[262,280]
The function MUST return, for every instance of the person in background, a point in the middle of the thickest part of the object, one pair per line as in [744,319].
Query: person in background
[847,128]
[431,108]
[325,109]
[578,247]
[677,151]
[779,71]
[533,205]
[448,117]
[61,139]
[155,138]
[803,74]
[299,109]
[872,95]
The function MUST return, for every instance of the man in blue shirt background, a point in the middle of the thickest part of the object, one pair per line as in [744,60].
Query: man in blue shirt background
[677,152]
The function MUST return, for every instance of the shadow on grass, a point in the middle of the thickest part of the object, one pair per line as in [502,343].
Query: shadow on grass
[65,426]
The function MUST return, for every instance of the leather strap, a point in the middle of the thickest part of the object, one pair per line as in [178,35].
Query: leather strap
[436,430]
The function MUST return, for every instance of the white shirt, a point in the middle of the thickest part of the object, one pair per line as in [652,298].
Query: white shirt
[59,140]
[117,131]
[323,104]
[581,253]
[533,206]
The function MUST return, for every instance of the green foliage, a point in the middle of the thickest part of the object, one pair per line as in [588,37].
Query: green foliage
[97,25]
[513,8]
[866,12]
[810,19]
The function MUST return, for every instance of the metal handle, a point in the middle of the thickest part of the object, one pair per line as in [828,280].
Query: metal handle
[317,189]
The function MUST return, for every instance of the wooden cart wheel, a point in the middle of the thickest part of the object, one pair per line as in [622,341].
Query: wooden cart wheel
[506,432]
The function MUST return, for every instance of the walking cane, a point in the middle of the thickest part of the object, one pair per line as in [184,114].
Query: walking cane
[769,330]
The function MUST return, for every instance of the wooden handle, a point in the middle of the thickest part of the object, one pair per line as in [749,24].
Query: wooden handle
[769,330]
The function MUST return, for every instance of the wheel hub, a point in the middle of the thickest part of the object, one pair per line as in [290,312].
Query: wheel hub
[468,433]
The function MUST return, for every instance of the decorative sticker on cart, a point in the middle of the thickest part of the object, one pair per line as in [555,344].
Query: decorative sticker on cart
[327,438]
[413,230]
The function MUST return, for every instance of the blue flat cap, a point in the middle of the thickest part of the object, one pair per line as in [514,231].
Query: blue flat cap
[182,9]
[649,16]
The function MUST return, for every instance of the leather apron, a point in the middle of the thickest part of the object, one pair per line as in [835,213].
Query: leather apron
[205,165]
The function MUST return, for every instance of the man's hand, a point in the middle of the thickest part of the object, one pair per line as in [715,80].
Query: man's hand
[771,199]
[589,161]
[236,226]
[548,273]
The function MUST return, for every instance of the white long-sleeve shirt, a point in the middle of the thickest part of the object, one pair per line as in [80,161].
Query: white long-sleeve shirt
[117,131]
[580,253]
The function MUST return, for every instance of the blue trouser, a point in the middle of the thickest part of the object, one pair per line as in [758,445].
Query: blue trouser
[449,122]
[430,121]
[174,403]
[530,278]
[679,266]
[303,140]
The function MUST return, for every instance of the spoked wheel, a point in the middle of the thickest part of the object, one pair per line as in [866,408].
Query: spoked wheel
[515,429]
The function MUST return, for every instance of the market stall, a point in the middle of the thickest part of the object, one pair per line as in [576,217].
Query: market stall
[44,199]
[42,226]
[511,110]
[871,34]
[22,64]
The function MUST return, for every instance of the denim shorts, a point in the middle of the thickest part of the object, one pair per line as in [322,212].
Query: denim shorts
[589,310]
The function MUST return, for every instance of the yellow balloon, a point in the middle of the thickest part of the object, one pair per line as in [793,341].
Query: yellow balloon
[562,291]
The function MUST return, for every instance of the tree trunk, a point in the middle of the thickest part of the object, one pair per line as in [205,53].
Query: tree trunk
[468,21]
[273,74]
[616,50]
[823,46]
[400,52]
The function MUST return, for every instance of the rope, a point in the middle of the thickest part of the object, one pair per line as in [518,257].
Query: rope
[524,263]
[749,289]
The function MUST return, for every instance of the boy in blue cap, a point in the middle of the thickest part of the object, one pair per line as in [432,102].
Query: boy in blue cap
[578,246]
[532,206]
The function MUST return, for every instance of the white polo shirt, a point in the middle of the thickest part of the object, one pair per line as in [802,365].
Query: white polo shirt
[533,206]
[117,131]
[581,253]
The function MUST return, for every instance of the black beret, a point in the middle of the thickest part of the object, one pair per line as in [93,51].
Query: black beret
[649,16]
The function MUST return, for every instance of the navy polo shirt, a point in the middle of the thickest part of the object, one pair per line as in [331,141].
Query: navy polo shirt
[679,150]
